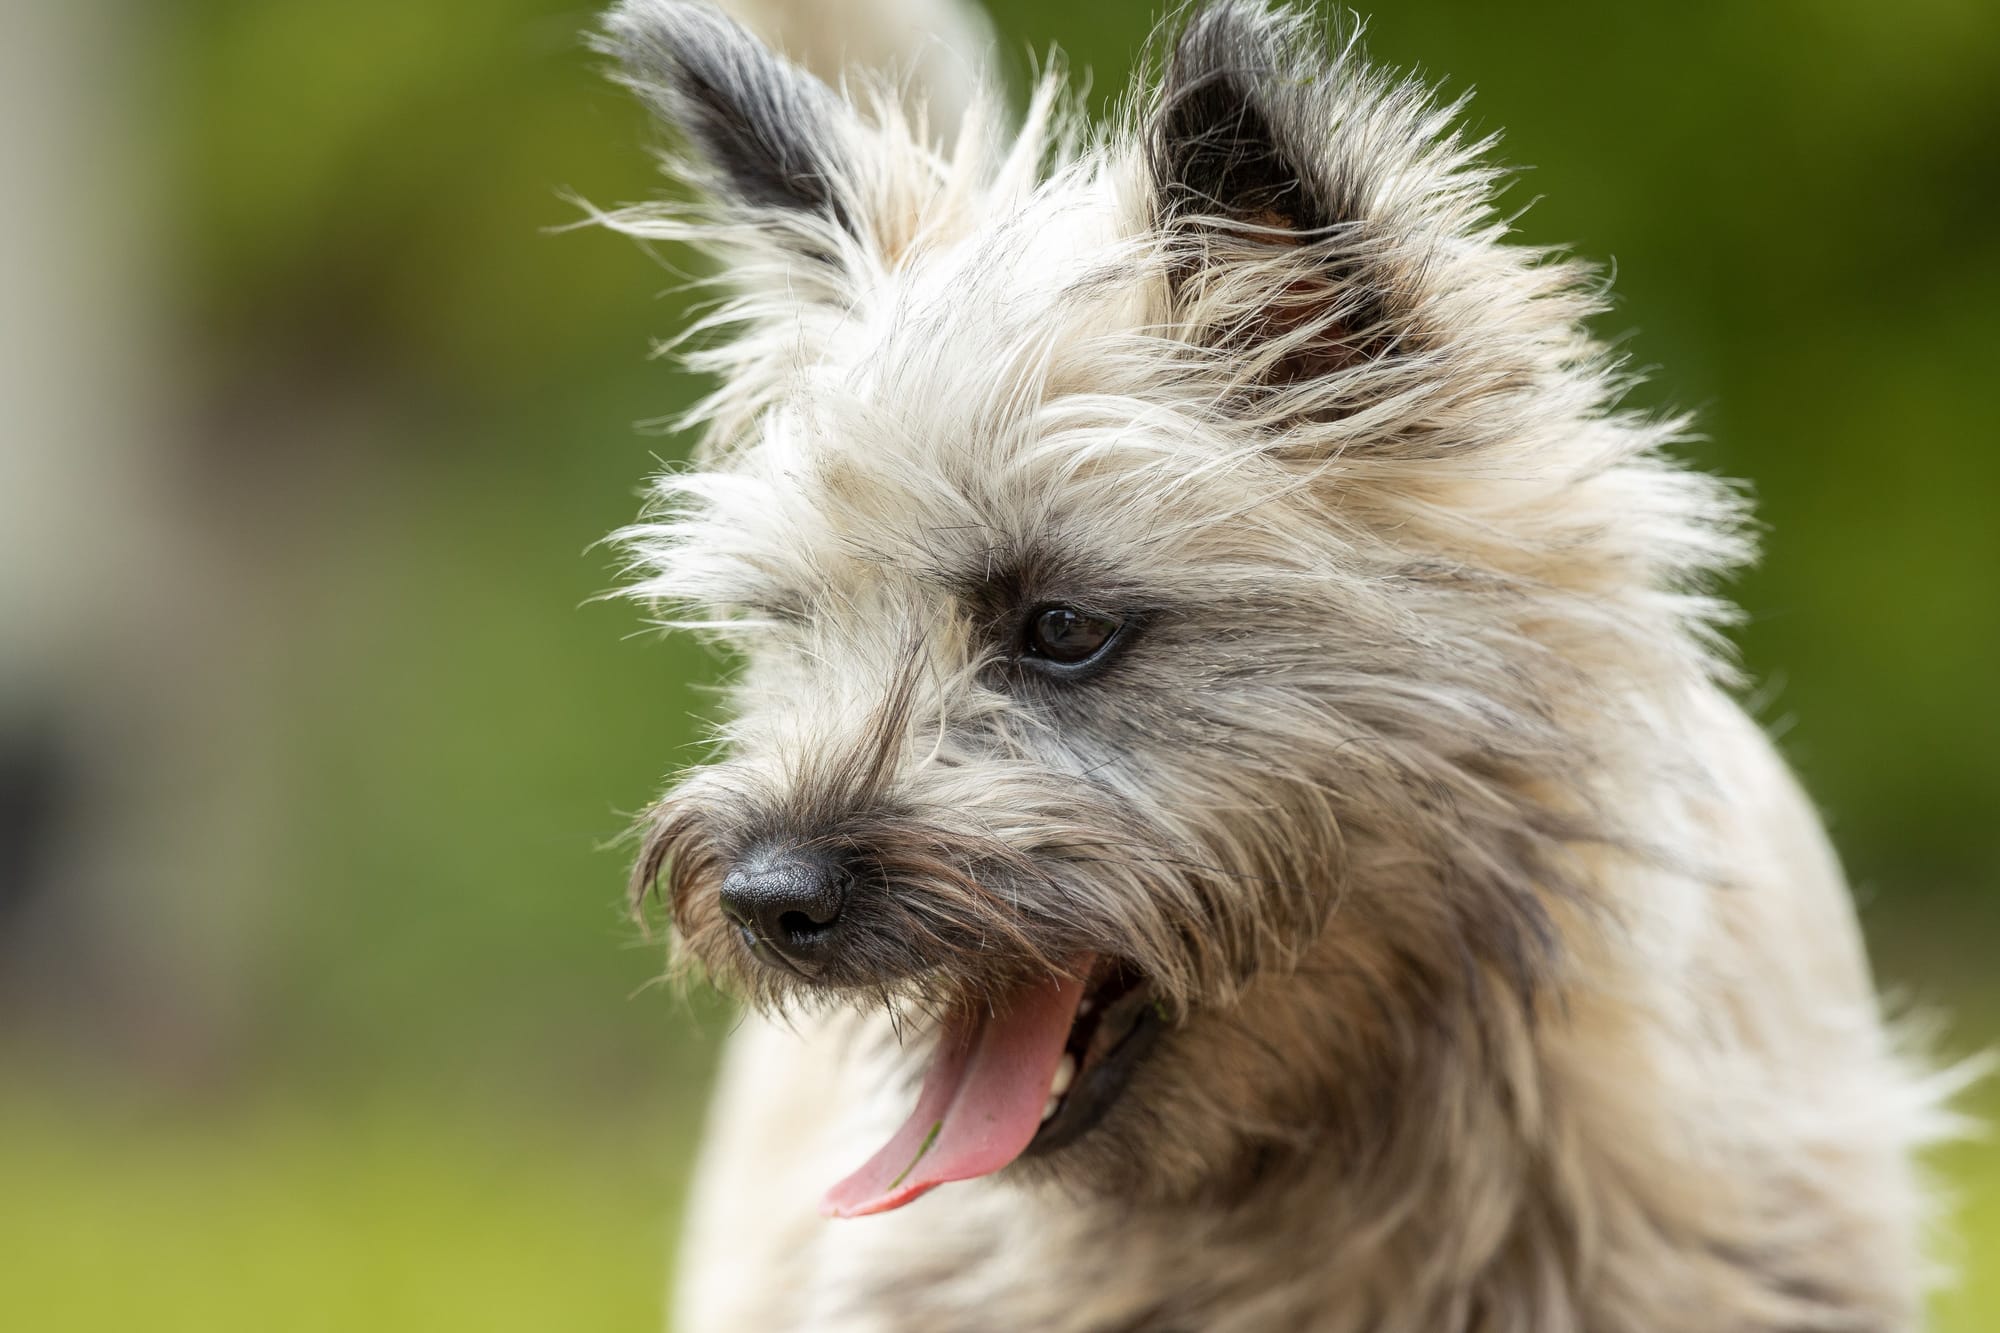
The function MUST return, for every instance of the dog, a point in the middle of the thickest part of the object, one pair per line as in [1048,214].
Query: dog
[1231,812]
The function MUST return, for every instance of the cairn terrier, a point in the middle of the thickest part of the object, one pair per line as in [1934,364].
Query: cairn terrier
[1231,813]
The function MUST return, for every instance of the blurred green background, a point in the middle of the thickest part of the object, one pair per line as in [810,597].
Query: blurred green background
[318,1008]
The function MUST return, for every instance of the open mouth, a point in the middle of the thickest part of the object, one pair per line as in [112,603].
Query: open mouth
[1116,1023]
[1032,1073]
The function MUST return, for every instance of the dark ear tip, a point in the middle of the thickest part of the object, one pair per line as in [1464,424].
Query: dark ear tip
[769,134]
[650,19]
[1229,121]
[1235,38]
[651,39]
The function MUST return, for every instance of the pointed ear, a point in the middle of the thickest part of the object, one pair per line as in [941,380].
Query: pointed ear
[769,135]
[1237,134]
[1271,159]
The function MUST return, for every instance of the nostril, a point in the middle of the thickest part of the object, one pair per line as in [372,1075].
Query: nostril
[787,903]
[799,927]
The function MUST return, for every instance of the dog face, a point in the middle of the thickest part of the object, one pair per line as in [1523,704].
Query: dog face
[1183,588]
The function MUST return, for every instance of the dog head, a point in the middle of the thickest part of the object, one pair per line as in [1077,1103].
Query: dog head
[1192,588]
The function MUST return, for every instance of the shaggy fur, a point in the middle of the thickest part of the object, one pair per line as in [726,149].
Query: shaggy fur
[1511,985]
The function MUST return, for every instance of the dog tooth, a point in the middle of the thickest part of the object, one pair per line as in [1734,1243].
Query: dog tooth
[1064,1073]
[1050,1107]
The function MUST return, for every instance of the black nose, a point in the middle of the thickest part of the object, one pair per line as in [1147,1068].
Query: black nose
[787,904]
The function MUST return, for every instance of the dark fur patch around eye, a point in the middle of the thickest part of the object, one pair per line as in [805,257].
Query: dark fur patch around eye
[769,130]
[1002,596]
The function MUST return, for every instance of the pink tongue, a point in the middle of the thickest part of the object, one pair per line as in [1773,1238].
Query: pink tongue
[981,1104]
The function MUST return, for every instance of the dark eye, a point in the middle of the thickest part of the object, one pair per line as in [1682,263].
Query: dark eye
[1069,637]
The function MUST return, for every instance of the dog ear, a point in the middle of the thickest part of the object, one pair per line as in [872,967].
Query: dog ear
[1235,135]
[768,135]
[1269,160]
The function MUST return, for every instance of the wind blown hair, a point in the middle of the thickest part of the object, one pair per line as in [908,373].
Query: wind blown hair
[1304,294]
[1417,798]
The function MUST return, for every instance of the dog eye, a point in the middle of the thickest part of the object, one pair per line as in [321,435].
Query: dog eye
[1069,637]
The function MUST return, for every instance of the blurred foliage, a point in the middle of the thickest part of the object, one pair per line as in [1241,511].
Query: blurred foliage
[456,1103]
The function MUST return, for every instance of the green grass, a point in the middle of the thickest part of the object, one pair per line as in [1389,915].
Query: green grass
[1972,1172]
[280,1217]
[430,1216]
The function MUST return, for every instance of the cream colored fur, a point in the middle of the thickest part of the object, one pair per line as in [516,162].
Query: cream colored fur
[1523,995]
